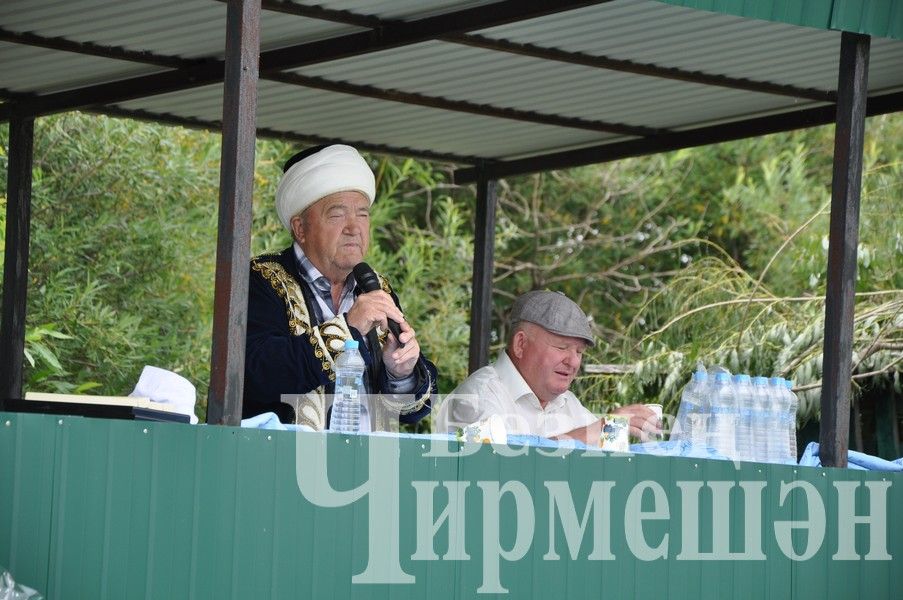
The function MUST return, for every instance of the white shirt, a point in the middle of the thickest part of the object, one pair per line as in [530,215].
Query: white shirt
[500,389]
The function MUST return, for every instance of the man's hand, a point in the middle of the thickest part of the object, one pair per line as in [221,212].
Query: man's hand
[400,361]
[373,309]
[644,423]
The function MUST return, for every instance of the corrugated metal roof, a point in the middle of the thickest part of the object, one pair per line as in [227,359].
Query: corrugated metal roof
[545,86]
[561,79]
[660,34]
[187,29]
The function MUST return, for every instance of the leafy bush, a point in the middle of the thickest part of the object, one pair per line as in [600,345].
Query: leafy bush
[122,253]
[715,254]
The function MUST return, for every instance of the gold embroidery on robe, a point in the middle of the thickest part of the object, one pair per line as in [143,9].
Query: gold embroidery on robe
[328,342]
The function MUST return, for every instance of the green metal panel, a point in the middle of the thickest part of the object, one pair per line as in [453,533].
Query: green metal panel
[879,18]
[121,510]
[28,464]
[808,13]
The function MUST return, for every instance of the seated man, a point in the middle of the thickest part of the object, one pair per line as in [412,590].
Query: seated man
[303,303]
[529,383]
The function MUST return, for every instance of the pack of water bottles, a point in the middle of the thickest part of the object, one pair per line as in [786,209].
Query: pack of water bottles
[741,417]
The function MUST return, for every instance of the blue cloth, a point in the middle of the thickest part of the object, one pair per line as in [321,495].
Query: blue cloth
[855,460]
[681,448]
[269,420]
[810,458]
[543,442]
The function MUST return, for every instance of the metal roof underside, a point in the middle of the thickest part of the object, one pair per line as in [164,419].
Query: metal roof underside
[515,85]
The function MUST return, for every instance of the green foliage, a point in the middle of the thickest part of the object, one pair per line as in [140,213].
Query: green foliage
[768,318]
[714,254]
[428,259]
[122,253]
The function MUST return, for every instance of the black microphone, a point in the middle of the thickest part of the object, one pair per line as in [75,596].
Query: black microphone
[369,282]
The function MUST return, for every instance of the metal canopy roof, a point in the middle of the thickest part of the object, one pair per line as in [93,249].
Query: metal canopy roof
[514,86]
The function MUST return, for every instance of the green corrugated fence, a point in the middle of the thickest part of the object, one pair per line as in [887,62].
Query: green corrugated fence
[878,18]
[123,509]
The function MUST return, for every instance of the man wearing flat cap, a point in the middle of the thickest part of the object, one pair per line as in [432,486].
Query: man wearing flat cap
[529,383]
[303,304]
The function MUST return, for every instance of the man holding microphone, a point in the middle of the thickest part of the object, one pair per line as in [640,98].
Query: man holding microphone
[305,301]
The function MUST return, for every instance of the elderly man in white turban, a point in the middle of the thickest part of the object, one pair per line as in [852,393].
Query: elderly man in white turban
[303,304]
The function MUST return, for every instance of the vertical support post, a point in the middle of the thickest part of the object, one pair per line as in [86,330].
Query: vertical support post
[852,90]
[483,265]
[233,248]
[15,262]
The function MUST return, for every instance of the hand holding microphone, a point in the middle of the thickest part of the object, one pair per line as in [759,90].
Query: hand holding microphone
[369,282]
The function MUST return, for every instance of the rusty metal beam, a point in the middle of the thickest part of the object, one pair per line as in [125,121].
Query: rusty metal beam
[15,260]
[846,186]
[233,248]
[483,265]
[486,110]
[265,132]
[92,49]
[688,138]
[637,68]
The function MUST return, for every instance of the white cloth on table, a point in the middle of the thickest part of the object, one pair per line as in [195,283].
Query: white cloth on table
[160,385]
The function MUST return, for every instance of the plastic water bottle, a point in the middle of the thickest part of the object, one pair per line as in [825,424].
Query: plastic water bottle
[794,404]
[691,416]
[743,394]
[349,387]
[777,432]
[722,434]
[761,406]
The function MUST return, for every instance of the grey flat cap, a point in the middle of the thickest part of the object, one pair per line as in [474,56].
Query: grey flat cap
[553,311]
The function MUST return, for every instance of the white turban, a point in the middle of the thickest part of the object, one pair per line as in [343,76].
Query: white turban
[336,168]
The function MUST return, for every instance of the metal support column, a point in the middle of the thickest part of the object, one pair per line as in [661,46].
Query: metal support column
[15,262]
[852,89]
[233,249]
[483,261]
